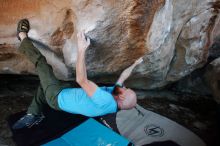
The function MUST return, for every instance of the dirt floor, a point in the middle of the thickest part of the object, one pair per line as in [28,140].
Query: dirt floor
[199,114]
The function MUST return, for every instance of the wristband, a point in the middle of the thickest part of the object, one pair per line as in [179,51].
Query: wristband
[119,85]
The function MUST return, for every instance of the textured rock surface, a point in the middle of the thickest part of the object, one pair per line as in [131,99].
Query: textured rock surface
[212,78]
[172,35]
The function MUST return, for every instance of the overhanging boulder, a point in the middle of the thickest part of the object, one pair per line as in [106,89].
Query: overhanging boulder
[173,36]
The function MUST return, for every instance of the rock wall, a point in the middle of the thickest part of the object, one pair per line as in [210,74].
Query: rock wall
[212,78]
[173,36]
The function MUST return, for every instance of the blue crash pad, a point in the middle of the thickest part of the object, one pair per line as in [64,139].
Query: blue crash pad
[90,133]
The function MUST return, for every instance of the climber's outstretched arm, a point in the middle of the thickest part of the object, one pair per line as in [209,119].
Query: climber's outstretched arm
[127,72]
[81,74]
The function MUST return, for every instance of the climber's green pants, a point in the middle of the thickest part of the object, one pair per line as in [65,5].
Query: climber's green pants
[49,87]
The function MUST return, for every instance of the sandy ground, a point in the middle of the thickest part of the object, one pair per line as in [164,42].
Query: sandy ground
[194,112]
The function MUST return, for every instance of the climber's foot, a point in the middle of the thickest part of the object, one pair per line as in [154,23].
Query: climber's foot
[23,28]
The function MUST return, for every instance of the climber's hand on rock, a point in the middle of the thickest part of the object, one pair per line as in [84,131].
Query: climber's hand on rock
[83,42]
[139,60]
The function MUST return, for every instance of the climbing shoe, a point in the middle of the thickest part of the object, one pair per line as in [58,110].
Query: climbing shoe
[27,121]
[23,26]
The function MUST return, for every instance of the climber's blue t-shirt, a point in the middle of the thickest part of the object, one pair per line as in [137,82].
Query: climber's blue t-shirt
[76,101]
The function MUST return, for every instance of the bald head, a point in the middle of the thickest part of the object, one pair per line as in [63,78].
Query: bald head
[126,98]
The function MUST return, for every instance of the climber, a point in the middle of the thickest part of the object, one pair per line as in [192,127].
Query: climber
[89,100]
